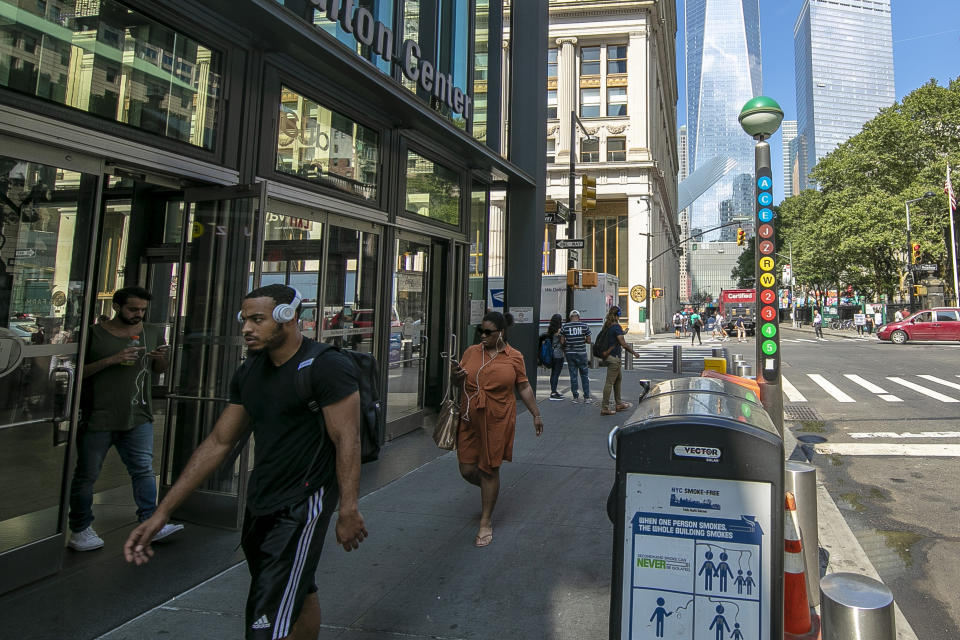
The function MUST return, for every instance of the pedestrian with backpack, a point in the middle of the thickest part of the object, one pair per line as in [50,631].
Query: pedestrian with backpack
[492,374]
[300,471]
[553,349]
[609,345]
[677,324]
[576,336]
[696,323]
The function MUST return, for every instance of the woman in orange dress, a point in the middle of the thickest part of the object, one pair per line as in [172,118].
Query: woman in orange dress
[490,371]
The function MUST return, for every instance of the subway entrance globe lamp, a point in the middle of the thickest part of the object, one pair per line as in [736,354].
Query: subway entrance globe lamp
[760,118]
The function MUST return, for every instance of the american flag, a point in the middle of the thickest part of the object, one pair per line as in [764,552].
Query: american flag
[948,189]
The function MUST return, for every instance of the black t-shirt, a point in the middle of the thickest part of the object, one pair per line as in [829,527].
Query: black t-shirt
[287,434]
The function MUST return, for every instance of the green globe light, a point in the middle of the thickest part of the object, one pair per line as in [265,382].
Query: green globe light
[761,117]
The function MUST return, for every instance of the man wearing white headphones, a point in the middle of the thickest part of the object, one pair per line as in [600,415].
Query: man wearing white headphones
[299,471]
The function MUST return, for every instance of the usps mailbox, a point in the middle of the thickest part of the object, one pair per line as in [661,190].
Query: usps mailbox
[697,508]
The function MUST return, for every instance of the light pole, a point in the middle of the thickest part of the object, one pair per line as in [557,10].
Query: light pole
[572,199]
[910,268]
[760,118]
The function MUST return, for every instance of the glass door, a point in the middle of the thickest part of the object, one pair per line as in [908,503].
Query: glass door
[48,205]
[217,245]
[410,305]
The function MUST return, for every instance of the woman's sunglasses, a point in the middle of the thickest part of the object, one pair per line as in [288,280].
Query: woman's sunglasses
[486,332]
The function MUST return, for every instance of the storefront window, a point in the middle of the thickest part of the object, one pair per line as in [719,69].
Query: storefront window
[110,61]
[496,248]
[454,26]
[322,146]
[433,191]
[349,312]
[477,263]
[292,249]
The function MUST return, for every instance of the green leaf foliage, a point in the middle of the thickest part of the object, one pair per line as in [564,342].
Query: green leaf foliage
[853,230]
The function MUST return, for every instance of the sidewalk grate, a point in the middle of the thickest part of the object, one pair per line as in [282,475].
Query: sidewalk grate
[799,412]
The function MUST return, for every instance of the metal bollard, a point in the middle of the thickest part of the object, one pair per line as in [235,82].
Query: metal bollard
[678,358]
[854,606]
[801,479]
[743,369]
[627,360]
[407,353]
[717,352]
[737,357]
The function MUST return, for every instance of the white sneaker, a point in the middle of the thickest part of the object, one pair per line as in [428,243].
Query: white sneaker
[168,530]
[86,540]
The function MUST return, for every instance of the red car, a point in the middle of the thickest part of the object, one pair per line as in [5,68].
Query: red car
[942,323]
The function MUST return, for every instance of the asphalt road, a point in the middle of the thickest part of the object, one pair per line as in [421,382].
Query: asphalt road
[882,424]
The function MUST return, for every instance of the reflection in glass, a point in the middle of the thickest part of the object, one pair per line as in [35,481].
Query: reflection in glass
[110,61]
[433,191]
[292,250]
[45,216]
[349,317]
[481,68]
[381,10]
[410,291]
[320,145]
[477,262]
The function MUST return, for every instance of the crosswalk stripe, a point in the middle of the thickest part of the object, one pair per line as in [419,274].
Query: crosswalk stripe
[919,389]
[830,388]
[946,383]
[872,388]
[805,340]
[905,434]
[792,394]
[877,449]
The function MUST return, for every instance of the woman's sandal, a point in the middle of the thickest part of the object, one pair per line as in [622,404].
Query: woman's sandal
[483,540]
[607,412]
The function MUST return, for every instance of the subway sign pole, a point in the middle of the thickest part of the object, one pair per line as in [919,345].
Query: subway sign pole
[761,117]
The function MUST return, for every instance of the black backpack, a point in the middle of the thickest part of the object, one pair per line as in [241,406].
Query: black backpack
[600,344]
[371,419]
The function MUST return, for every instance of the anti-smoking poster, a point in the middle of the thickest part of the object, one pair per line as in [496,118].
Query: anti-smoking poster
[696,559]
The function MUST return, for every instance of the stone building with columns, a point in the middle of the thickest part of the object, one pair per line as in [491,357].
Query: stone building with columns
[613,64]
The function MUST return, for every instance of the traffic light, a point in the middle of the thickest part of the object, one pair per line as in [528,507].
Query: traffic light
[916,253]
[657,293]
[588,193]
[741,237]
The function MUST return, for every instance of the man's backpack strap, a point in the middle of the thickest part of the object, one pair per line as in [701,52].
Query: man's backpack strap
[304,380]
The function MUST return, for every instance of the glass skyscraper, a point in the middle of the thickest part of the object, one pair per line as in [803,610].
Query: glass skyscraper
[843,54]
[723,72]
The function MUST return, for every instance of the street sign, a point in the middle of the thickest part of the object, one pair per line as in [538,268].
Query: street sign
[563,211]
[572,243]
[551,218]
[926,267]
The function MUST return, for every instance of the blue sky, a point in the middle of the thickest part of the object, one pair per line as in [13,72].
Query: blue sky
[926,44]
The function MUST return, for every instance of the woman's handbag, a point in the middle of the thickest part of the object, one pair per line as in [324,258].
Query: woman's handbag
[448,421]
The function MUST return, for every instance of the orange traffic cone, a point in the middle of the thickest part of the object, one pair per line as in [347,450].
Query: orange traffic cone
[798,620]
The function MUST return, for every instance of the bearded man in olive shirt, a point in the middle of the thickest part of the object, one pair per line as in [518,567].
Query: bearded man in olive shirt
[301,467]
[116,409]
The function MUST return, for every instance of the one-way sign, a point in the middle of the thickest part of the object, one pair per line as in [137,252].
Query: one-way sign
[573,243]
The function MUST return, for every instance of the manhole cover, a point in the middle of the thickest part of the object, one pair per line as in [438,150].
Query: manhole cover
[799,412]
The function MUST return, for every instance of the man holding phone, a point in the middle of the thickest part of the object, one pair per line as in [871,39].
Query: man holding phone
[116,410]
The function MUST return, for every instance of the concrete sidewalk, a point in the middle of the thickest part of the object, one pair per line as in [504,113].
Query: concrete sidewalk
[545,575]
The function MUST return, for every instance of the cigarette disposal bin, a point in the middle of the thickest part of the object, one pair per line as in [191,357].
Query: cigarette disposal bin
[697,508]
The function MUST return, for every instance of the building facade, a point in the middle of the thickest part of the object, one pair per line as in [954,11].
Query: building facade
[613,65]
[843,57]
[711,266]
[353,151]
[723,72]
[684,260]
[788,133]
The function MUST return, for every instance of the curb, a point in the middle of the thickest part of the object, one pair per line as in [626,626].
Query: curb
[845,552]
